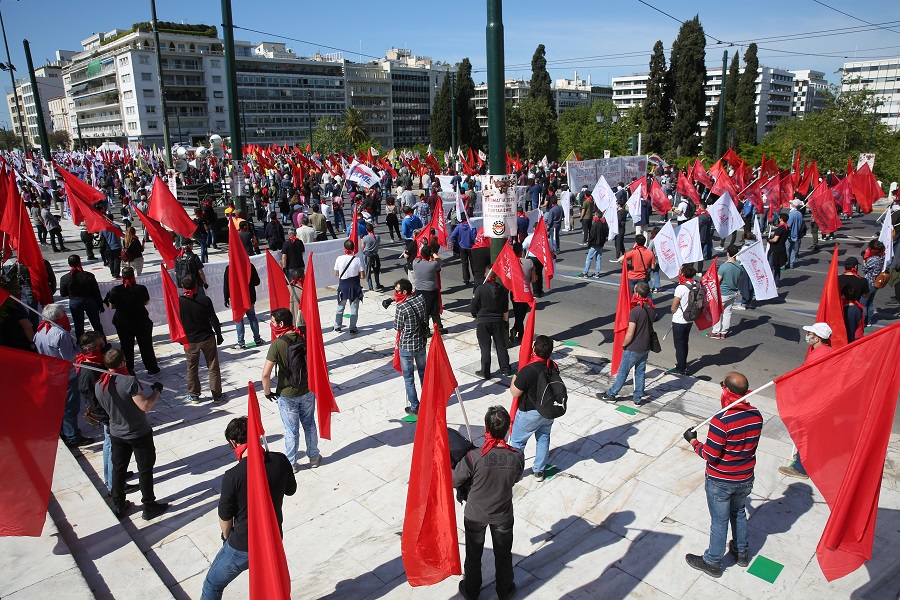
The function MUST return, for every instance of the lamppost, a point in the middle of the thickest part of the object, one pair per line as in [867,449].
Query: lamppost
[260,132]
[78,128]
[604,119]
[309,118]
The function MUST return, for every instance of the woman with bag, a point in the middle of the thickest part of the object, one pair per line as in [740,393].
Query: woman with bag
[133,251]
[873,265]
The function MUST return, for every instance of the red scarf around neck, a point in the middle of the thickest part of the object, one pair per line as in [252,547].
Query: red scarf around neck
[349,252]
[239,451]
[728,397]
[401,298]
[129,282]
[279,331]
[94,357]
[682,280]
[63,322]
[637,300]
[73,269]
[107,377]
[297,283]
[190,293]
[490,442]
[854,271]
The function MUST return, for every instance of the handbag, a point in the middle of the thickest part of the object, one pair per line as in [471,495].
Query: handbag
[125,255]
[90,418]
[655,346]
[882,280]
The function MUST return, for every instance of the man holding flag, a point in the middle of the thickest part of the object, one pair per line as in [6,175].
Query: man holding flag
[637,344]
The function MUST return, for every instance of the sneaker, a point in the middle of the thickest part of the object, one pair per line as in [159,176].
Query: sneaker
[465,594]
[506,372]
[338,329]
[482,374]
[790,471]
[743,558]
[132,488]
[444,331]
[411,411]
[582,275]
[193,399]
[696,561]
[123,512]
[154,509]
[153,373]
[739,307]
[606,397]
[614,260]
[354,331]
[315,461]
[81,442]
[673,371]
[539,476]
[239,347]
[218,399]
[296,467]
[508,594]
[597,275]
[260,342]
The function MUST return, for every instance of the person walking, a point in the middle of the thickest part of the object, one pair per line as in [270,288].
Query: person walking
[730,275]
[54,229]
[426,271]
[490,309]
[730,455]
[795,226]
[132,251]
[204,333]
[873,265]
[113,251]
[392,218]
[411,324]
[462,238]
[84,296]
[640,260]
[599,233]
[636,345]
[349,271]
[370,243]
[188,263]
[529,421]
[681,326]
[132,321]
[587,215]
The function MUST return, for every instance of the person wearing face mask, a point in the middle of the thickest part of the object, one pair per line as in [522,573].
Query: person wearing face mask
[818,338]
[730,455]
[233,559]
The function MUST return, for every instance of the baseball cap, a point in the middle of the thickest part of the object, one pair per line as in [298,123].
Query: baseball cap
[821,330]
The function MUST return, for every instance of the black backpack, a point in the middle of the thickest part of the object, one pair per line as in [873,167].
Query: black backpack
[183,268]
[295,370]
[551,397]
[695,303]
[691,209]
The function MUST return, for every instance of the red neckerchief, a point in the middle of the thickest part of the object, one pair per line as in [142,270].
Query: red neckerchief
[728,397]
[73,269]
[129,282]
[349,252]
[401,298]
[701,211]
[854,271]
[638,300]
[239,451]
[94,357]
[107,377]
[180,253]
[491,442]
[279,331]
[869,252]
[682,280]
[63,322]
[190,293]
[292,238]
[297,283]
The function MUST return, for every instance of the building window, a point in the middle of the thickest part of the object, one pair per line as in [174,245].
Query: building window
[145,76]
[152,124]
[129,110]
[143,59]
[132,125]
[148,93]
[217,79]
[126,78]
[128,94]
[123,61]
[215,62]
[218,94]
[220,125]
[220,109]
[151,109]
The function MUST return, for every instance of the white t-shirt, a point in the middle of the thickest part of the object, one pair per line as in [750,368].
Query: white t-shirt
[683,292]
[682,206]
[353,270]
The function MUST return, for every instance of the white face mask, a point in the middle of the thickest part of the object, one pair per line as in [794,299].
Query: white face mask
[809,340]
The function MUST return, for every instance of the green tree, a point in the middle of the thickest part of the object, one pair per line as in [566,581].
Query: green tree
[515,130]
[745,101]
[60,139]
[658,107]
[468,133]
[687,66]
[355,126]
[712,132]
[330,136]
[710,141]
[539,129]
[578,131]
[540,79]
[441,125]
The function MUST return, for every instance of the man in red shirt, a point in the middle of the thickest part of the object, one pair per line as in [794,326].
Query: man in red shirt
[640,261]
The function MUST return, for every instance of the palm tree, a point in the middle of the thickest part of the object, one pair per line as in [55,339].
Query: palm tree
[354,126]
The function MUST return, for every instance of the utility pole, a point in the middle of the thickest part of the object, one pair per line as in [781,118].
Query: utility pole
[234,123]
[42,126]
[167,138]
[453,116]
[12,78]
[309,118]
[720,136]
[496,102]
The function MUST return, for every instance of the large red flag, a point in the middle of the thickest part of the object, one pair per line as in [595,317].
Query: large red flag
[772,190]
[823,209]
[733,159]
[238,274]
[82,197]
[439,224]
[843,194]
[173,308]
[29,435]
[658,199]
[526,355]
[354,228]
[620,328]
[508,270]
[753,194]
[165,208]
[786,187]
[712,298]
[698,173]
[18,225]
[162,239]
[685,188]
[831,306]
[429,544]
[540,247]
[866,188]
[810,179]
[279,296]
[723,182]
[840,418]
[316,366]
[269,575]
[795,175]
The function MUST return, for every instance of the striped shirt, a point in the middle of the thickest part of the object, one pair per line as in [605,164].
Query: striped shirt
[730,448]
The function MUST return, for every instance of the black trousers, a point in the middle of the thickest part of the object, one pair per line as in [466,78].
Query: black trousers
[144,455]
[432,306]
[465,259]
[485,332]
[114,258]
[585,231]
[393,225]
[538,286]
[520,309]
[620,242]
[143,333]
[681,333]
[502,537]
[88,240]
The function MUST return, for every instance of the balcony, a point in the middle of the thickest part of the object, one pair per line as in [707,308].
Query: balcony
[101,119]
[185,96]
[88,92]
[108,69]
[97,103]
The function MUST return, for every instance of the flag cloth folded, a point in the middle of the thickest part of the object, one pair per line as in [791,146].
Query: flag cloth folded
[279,296]
[29,436]
[354,228]
[82,197]
[886,237]
[173,308]
[712,297]
[316,365]
[508,270]
[840,417]
[620,328]
[429,544]
[866,188]
[831,305]
[824,209]
[165,208]
[162,239]
[540,247]
[269,575]
[22,237]
[238,275]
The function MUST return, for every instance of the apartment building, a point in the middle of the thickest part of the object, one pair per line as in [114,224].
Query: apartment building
[49,85]
[882,77]
[810,90]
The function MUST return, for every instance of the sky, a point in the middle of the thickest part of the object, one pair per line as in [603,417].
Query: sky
[596,39]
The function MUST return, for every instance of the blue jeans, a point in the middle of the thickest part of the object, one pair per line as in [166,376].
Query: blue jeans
[726,504]
[204,247]
[870,305]
[798,465]
[630,359]
[339,222]
[226,566]
[654,279]
[593,253]
[410,360]
[254,326]
[69,429]
[294,413]
[107,458]
[526,423]
[339,314]
[793,248]
[79,307]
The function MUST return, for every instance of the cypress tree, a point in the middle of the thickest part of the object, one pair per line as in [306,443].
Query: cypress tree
[657,108]
[687,66]
[745,101]
[440,118]
[540,79]
[468,133]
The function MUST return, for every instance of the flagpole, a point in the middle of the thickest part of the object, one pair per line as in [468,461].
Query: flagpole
[733,404]
[465,416]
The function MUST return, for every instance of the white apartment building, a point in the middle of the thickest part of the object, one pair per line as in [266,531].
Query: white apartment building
[810,88]
[882,77]
[49,83]
[514,91]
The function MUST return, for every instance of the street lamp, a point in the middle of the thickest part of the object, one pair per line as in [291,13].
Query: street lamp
[603,119]
[260,132]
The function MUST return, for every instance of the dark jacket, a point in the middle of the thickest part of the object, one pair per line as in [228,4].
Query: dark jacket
[493,476]
[489,302]
[599,233]
[254,281]
[80,284]
[199,319]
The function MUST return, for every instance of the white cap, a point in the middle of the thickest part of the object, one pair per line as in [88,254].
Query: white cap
[822,330]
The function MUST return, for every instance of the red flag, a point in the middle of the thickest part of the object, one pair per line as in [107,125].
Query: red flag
[82,197]
[540,247]
[733,159]
[786,189]
[316,365]
[772,190]
[842,432]
[173,308]
[658,199]
[162,239]
[843,194]
[29,435]
[810,179]
[481,241]
[712,298]
[238,274]
[831,306]
[866,188]
[698,173]
[165,208]
[3,295]
[17,224]
[723,182]
[269,575]
[508,270]
[439,224]
[823,209]
[429,544]
[620,328]
[354,228]
[769,168]
[741,178]
[634,185]
[279,296]
[685,188]
[795,176]
[753,194]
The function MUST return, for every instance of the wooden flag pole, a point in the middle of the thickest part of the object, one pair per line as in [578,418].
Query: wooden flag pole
[465,416]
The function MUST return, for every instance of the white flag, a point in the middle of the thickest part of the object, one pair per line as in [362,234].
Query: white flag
[544,162]
[886,237]
[605,200]
[725,216]
[667,255]
[756,265]
[565,200]
[362,175]
[634,204]
[460,209]
[688,237]
[430,149]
